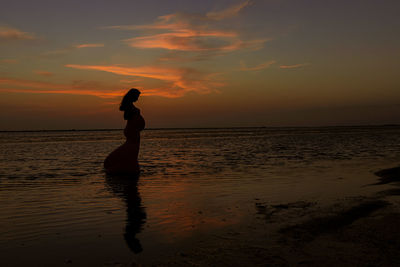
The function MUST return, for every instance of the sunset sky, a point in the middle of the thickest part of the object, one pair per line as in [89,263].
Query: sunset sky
[221,63]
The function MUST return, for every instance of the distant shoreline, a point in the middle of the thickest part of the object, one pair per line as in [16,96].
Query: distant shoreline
[207,128]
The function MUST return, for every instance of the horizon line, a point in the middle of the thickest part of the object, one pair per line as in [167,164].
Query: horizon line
[200,128]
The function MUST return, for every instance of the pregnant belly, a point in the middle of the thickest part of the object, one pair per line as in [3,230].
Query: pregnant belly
[133,127]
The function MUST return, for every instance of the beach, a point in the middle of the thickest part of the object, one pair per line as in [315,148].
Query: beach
[205,197]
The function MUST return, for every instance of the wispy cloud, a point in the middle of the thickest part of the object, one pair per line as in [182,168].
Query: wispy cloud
[257,67]
[71,48]
[166,74]
[176,81]
[75,88]
[194,42]
[228,12]
[192,33]
[44,73]
[295,66]
[88,45]
[9,34]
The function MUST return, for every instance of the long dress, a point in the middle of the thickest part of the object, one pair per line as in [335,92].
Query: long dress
[124,159]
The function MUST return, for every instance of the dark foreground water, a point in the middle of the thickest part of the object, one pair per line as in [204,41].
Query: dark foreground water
[57,207]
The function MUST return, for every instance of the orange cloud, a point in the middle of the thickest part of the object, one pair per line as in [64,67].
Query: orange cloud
[176,41]
[194,41]
[162,91]
[76,88]
[8,33]
[89,45]
[70,92]
[258,67]
[191,32]
[167,74]
[70,48]
[177,81]
[295,66]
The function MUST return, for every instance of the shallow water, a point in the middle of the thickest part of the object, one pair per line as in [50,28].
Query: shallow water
[58,207]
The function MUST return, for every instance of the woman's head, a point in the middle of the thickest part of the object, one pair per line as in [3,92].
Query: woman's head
[130,97]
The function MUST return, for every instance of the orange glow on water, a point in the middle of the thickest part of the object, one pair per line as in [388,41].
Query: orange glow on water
[182,219]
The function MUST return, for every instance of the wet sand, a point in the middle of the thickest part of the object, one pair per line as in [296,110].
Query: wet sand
[355,231]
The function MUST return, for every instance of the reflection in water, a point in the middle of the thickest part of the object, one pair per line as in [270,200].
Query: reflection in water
[126,188]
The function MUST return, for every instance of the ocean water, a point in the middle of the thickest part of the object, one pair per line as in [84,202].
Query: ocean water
[58,207]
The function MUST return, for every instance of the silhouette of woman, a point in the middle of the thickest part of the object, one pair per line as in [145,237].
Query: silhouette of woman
[124,159]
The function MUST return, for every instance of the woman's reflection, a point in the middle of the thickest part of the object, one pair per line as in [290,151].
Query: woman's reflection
[126,188]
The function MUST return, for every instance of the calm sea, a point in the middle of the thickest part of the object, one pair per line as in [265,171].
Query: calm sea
[58,207]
